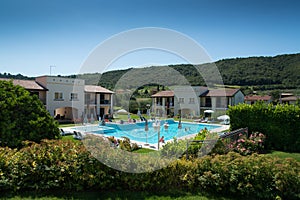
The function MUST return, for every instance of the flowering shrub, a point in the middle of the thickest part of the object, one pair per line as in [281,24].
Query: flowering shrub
[247,146]
[68,166]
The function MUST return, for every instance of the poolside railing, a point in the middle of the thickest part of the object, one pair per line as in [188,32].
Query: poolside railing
[227,136]
[234,135]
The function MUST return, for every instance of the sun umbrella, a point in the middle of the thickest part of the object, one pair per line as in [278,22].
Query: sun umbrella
[139,113]
[209,111]
[223,117]
[122,111]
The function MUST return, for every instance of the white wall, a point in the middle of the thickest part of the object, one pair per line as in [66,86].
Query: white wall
[186,92]
[238,98]
[65,86]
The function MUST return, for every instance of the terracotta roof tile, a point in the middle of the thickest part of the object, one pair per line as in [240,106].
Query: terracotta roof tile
[167,93]
[97,89]
[221,92]
[27,84]
[257,98]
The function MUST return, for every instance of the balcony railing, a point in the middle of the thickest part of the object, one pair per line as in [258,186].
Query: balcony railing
[92,101]
[105,102]
[216,108]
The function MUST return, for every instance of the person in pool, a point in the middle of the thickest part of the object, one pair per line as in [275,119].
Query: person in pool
[162,139]
[166,125]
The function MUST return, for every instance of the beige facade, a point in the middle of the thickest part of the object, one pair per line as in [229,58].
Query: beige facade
[65,96]
[192,101]
[69,98]
[163,104]
[98,101]
[220,99]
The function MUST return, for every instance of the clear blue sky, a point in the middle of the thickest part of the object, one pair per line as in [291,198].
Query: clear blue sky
[35,34]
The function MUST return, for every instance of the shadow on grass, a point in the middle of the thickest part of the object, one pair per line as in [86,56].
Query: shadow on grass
[113,195]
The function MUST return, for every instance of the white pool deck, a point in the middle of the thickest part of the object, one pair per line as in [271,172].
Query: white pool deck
[222,128]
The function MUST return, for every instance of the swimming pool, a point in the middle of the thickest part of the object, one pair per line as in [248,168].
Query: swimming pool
[136,131]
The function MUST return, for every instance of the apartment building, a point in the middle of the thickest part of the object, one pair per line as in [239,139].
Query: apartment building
[69,98]
[192,101]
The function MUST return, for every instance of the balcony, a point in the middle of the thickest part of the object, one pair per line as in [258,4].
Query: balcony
[91,102]
[105,102]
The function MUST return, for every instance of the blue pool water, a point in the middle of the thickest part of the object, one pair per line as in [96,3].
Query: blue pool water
[136,131]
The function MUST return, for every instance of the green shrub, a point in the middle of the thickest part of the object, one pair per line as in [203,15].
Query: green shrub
[64,165]
[280,123]
[220,148]
[23,117]
[176,148]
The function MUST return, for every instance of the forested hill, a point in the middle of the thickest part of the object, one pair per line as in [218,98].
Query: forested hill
[18,76]
[282,70]
[279,72]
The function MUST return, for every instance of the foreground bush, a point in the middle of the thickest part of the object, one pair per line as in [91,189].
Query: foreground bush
[23,117]
[69,166]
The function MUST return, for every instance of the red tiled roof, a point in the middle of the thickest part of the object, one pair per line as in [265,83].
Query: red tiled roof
[257,98]
[167,93]
[221,92]
[27,84]
[97,89]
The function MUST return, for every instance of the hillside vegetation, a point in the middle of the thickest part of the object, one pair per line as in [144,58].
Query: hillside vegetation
[279,72]
[260,73]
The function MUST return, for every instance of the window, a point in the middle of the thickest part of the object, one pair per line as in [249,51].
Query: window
[87,98]
[207,102]
[219,103]
[74,97]
[181,100]
[58,96]
[192,101]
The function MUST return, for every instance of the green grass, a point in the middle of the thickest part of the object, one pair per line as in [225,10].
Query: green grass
[66,125]
[70,137]
[143,150]
[109,195]
[283,155]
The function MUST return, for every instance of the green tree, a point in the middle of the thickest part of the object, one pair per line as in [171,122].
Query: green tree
[23,117]
[275,95]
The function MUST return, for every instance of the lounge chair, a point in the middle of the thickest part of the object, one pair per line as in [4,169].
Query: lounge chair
[64,133]
[77,135]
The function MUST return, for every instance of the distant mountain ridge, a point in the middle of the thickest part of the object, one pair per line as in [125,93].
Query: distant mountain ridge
[278,72]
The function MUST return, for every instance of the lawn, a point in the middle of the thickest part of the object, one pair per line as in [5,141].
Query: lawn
[109,195]
[143,150]
[67,125]
[70,137]
[281,154]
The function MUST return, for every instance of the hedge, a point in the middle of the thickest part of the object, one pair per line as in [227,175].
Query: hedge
[64,165]
[280,123]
